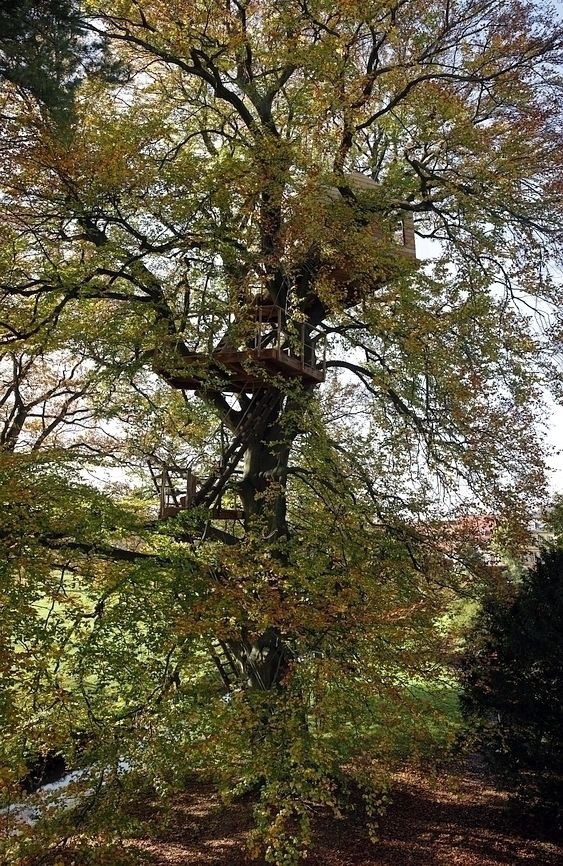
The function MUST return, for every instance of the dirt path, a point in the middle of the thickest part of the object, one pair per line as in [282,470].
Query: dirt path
[457,819]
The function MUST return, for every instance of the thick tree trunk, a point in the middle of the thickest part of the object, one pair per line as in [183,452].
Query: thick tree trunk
[264,660]
[262,488]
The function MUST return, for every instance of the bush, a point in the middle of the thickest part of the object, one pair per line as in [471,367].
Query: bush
[513,675]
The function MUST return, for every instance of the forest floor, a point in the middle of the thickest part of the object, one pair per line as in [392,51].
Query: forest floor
[455,818]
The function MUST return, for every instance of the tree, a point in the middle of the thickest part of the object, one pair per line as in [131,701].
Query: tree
[192,240]
[513,685]
[45,51]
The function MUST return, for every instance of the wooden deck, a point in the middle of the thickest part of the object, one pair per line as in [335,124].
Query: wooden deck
[244,370]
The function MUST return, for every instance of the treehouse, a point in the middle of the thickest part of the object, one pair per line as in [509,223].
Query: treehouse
[404,233]
[343,266]
[278,347]
[255,355]
[269,345]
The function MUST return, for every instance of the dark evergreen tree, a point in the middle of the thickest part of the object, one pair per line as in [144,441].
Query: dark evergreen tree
[514,685]
[44,49]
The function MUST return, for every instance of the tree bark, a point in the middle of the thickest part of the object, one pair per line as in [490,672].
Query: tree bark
[264,660]
[262,488]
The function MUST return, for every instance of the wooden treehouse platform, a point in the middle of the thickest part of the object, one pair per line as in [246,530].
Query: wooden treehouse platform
[244,369]
[279,348]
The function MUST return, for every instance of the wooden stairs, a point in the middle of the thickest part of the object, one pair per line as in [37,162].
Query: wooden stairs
[208,494]
[225,663]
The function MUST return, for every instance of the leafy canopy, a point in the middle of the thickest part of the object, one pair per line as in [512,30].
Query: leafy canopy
[225,170]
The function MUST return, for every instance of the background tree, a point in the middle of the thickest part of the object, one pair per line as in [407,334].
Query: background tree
[39,50]
[513,685]
[224,178]
[45,51]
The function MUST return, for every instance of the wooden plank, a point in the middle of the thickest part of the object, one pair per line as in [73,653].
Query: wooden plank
[409,243]
[227,514]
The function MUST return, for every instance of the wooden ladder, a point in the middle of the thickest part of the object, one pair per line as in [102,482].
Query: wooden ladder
[225,663]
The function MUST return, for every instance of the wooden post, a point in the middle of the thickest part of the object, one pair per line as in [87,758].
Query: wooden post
[162,494]
[279,327]
[191,487]
[323,367]
[258,334]
[408,234]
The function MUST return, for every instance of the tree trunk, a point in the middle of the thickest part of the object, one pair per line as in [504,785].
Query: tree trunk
[264,660]
[262,488]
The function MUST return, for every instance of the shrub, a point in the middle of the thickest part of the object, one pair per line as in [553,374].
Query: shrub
[513,674]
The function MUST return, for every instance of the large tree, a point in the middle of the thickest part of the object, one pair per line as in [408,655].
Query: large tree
[185,248]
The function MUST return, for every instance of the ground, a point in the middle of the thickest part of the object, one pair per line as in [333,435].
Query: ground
[454,818]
